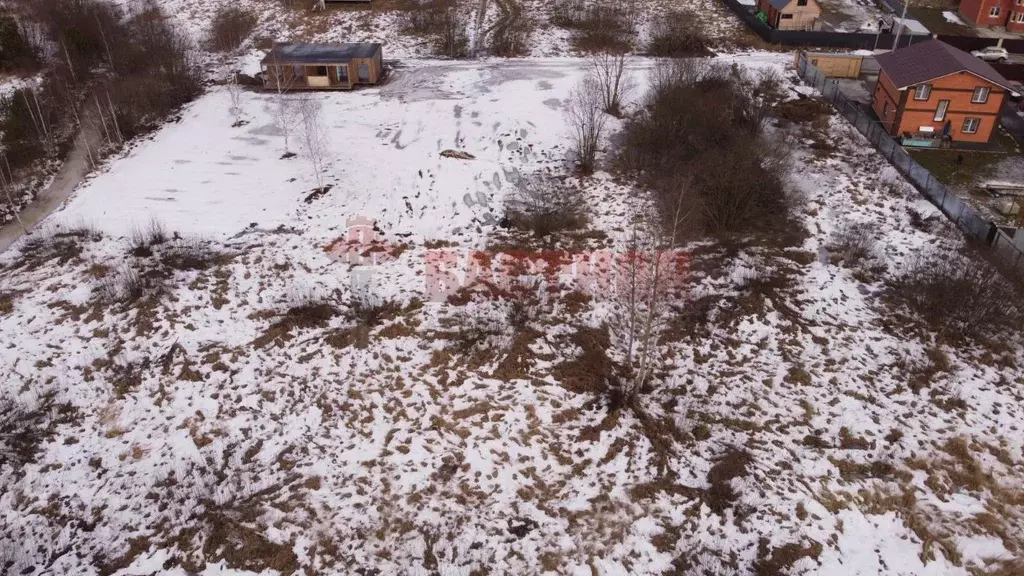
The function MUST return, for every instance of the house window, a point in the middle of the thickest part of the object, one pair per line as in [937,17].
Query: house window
[1019,16]
[980,95]
[804,2]
[321,71]
[786,16]
[971,125]
[923,92]
[994,12]
[343,73]
[940,112]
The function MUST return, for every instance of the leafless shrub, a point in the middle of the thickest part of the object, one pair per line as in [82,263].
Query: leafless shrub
[677,34]
[189,253]
[597,26]
[479,333]
[24,425]
[610,72]
[511,35]
[586,121]
[702,128]
[143,239]
[129,286]
[231,25]
[370,311]
[853,244]
[61,242]
[959,297]
[545,206]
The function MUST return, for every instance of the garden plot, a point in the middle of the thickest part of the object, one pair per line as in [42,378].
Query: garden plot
[229,409]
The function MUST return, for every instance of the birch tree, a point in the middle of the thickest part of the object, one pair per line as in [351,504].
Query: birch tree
[7,183]
[283,108]
[313,136]
[646,281]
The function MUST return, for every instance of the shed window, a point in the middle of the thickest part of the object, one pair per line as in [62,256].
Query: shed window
[1019,16]
[801,2]
[980,95]
[923,92]
[786,16]
[994,11]
[343,73]
[320,71]
[971,125]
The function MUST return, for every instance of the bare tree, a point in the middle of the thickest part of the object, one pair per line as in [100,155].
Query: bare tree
[235,95]
[586,121]
[647,278]
[7,183]
[545,206]
[284,109]
[452,40]
[609,70]
[313,136]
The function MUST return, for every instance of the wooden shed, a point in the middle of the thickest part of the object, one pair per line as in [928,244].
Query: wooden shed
[322,66]
[833,65]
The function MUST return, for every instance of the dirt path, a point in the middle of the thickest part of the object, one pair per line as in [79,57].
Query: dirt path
[49,200]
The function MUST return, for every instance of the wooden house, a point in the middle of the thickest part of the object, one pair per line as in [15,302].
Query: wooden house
[790,14]
[930,92]
[321,66]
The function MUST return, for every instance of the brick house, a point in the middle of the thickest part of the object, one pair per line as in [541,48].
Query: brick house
[790,14]
[1008,13]
[931,90]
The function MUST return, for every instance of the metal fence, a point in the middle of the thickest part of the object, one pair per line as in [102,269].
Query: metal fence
[958,211]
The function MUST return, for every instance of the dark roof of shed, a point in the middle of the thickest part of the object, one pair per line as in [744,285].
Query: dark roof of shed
[319,53]
[933,59]
[779,4]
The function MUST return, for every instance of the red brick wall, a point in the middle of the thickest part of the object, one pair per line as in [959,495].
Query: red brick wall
[886,102]
[958,89]
[977,11]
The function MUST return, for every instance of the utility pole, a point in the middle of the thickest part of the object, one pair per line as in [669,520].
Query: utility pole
[896,41]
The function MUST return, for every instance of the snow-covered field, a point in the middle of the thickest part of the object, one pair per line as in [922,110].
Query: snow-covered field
[201,428]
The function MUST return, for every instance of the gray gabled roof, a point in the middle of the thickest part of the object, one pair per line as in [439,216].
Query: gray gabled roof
[779,4]
[933,59]
[319,53]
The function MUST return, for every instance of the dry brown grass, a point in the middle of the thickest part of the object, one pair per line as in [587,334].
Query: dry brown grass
[732,464]
[306,315]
